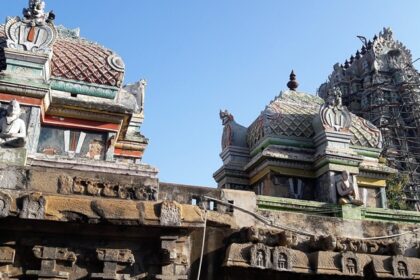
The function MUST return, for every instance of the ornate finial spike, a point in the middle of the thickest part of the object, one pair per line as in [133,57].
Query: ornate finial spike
[375,37]
[346,64]
[357,54]
[351,59]
[292,84]
[369,45]
[363,50]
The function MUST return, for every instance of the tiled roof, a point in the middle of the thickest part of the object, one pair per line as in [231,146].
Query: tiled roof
[80,60]
[292,114]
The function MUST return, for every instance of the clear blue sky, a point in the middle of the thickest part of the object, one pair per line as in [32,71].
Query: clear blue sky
[201,56]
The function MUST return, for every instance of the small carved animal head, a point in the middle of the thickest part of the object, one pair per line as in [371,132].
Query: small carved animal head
[225,116]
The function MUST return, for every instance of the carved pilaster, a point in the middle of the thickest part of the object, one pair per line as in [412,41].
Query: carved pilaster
[113,259]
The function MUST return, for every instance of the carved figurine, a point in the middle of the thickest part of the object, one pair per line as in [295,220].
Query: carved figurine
[36,13]
[260,259]
[13,129]
[234,134]
[346,190]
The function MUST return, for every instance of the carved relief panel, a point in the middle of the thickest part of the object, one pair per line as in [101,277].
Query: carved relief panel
[282,259]
[261,256]
[350,264]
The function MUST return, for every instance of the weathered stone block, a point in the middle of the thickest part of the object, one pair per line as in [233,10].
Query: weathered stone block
[15,156]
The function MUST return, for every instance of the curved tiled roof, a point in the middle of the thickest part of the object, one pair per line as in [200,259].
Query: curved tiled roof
[80,60]
[292,114]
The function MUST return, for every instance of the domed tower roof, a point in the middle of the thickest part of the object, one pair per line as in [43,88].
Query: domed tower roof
[292,114]
[289,114]
[75,58]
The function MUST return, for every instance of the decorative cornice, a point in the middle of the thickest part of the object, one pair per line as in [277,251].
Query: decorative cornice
[83,114]
[84,88]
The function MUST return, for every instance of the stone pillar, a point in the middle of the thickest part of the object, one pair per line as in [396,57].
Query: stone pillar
[34,130]
[173,265]
[7,257]
[384,201]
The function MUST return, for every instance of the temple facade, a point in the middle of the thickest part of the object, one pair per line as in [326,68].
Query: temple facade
[301,191]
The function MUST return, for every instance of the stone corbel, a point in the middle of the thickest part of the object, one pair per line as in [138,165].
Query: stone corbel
[173,268]
[7,257]
[112,258]
[49,257]
[5,202]
[33,207]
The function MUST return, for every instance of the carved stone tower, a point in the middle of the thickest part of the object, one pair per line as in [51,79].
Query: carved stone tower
[381,85]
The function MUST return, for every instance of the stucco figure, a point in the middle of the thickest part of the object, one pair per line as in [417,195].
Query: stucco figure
[13,129]
[346,190]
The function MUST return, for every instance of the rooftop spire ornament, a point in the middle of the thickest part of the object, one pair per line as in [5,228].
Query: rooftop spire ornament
[292,84]
[35,32]
[35,13]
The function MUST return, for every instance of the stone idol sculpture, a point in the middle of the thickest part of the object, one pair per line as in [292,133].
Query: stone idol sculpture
[13,129]
[347,191]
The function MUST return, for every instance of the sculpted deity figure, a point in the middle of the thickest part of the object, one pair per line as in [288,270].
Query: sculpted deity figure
[36,13]
[13,129]
[346,190]
[260,259]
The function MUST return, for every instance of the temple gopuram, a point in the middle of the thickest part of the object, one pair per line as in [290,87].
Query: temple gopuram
[380,84]
[302,191]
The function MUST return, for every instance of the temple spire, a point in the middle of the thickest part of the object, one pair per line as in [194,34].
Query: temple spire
[292,84]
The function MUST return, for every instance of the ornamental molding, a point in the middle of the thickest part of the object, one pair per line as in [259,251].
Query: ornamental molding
[83,89]
[25,36]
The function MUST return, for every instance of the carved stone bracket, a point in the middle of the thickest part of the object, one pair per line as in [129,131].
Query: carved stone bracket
[5,201]
[350,264]
[82,186]
[111,259]
[49,257]
[7,258]
[170,213]
[33,207]
[401,268]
